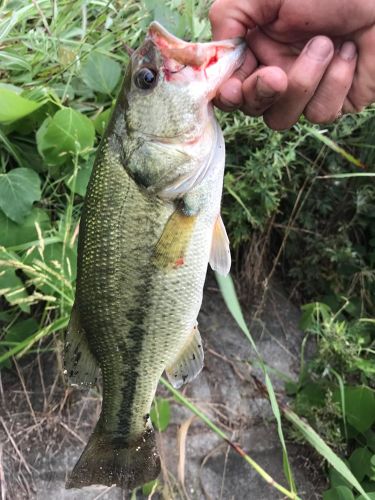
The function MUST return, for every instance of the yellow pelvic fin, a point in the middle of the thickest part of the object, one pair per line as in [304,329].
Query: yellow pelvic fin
[171,248]
[220,258]
[80,364]
[189,361]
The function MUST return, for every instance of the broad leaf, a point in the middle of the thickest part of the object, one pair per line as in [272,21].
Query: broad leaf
[101,73]
[338,493]
[359,407]
[19,189]
[360,463]
[21,330]
[160,414]
[13,234]
[67,133]
[11,285]
[13,106]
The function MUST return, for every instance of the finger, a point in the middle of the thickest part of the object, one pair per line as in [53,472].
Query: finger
[303,79]
[362,92]
[262,88]
[229,95]
[328,100]
[269,52]
[230,18]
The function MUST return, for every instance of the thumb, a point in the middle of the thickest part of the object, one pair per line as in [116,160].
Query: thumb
[232,18]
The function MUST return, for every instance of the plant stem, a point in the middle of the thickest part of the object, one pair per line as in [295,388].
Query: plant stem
[181,399]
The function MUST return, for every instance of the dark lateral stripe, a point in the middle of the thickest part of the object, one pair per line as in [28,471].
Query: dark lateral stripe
[136,335]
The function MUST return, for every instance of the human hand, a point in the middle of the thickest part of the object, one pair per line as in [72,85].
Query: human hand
[311,57]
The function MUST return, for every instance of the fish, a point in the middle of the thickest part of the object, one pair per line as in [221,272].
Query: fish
[150,224]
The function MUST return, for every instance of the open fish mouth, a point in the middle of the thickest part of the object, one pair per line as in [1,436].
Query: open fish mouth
[184,62]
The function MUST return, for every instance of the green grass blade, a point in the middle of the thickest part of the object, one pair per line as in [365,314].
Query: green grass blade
[323,449]
[22,347]
[188,404]
[347,175]
[335,147]
[230,298]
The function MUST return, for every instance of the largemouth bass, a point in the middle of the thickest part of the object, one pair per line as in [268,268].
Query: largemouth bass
[150,224]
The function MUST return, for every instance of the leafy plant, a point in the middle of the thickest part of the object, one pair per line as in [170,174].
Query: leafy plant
[334,391]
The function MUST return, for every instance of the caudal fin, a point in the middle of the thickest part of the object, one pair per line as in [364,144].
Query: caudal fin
[107,461]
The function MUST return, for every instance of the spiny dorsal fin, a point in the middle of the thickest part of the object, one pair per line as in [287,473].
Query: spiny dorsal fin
[220,259]
[189,362]
[171,248]
[80,365]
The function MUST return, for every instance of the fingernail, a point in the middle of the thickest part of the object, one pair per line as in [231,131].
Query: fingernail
[348,51]
[319,48]
[263,90]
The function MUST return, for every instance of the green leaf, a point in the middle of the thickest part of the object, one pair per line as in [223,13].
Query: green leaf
[22,330]
[13,106]
[160,414]
[360,463]
[67,133]
[19,188]
[369,496]
[54,256]
[370,439]
[79,184]
[13,234]
[336,479]
[321,447]
[338,493]
[101,121]
[148,488]
[11,285]
[101,73]
[360,407]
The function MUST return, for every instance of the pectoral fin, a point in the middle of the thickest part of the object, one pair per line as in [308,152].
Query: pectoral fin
[171,248]
[80,364]
[189,362]
[220,259]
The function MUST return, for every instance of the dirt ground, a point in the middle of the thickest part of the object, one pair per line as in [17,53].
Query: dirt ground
[44,425]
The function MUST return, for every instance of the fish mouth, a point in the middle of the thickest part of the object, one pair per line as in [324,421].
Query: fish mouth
[212,62]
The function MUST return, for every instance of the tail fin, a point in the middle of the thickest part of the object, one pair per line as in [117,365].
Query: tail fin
[106,461]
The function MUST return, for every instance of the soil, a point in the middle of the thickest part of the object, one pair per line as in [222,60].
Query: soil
[44,425]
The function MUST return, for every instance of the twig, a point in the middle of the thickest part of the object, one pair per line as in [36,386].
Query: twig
[2,393]
[179,397]
[27,398]
[22,458]
[72,432]
[3,486]
[43,17]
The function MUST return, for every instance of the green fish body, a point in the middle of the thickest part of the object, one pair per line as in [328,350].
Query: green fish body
[146,235]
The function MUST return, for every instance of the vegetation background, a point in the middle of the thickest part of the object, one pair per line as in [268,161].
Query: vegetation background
[298,205]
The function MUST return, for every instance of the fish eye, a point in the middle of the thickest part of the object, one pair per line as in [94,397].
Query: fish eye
[145,78]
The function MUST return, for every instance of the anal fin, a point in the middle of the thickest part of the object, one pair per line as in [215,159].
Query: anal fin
[189,362]
[220,258]
[80,364]
[170,250]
